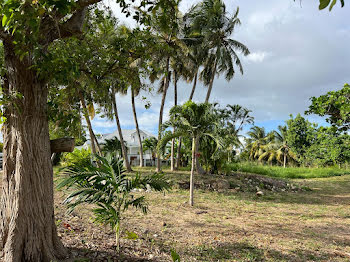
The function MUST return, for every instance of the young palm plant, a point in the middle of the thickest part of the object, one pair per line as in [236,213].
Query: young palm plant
[194,121]
[108,189]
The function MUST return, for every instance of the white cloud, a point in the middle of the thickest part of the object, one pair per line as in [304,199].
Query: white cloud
[257,57]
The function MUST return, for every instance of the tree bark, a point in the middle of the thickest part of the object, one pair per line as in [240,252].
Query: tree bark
[137,125]
[199,168]
[172,162]
[211,83]
[194,143]
[284,160]
[124,151]
[178,159]
[194,86]
[62,145]
[27,225]
[161,111]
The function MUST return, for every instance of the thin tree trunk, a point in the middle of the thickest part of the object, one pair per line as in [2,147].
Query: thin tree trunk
[178,160]
[199,168]
[137,125]
[284,160]
[161,111]
[88,122]
[194,86]
[172,163]
[121,139]
[192,170]
[211,83]
[27,224]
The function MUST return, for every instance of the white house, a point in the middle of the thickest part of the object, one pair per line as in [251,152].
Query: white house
[132,144]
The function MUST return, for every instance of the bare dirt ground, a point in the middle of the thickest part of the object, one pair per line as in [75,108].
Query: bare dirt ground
[230,225]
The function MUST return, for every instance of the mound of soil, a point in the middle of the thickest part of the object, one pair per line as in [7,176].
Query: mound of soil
[243,182]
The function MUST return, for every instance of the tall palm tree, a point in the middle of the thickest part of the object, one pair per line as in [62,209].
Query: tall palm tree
[211,19]
[165,25]
[194,121]
[116,116]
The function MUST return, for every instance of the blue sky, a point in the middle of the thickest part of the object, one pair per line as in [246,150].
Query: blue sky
[297,52]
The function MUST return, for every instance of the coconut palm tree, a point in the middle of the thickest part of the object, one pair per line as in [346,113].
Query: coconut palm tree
[278,149]
[165,25]
[256,141]
[194,121]
[211,20]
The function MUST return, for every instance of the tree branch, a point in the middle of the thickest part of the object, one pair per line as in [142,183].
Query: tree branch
[3,35]
[85,3]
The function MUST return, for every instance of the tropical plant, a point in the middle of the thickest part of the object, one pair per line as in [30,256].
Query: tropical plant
[210,19]
[191,120]
[108,189]
[150,144]
[79,157]
[278,148]
[112,146]
[256,141]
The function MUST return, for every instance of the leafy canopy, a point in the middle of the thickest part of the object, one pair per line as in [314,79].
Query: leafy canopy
[335,105]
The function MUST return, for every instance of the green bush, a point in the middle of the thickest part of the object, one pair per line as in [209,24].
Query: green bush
[288,172]
[77,157]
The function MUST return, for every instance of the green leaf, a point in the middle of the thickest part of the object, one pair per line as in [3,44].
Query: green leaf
[131,235]
[324,4]
[175,256]
[332,4]
[4,20]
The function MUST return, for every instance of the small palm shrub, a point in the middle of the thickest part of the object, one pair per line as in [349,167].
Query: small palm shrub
[108,189]
[81,157]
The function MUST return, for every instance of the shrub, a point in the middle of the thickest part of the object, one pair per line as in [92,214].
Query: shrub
[81,157]
[108,189]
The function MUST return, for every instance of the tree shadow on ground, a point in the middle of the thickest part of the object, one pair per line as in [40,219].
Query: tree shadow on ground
[95,255]
[242,251]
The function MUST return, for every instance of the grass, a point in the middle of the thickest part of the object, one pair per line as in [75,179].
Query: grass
[288,172]
[226,226]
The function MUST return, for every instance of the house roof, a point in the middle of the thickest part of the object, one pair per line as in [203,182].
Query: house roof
[129,136]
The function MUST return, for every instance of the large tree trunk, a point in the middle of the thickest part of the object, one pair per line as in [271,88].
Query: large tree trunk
[194,85]
[211,83]
[161,111]
[137,126]
[194,145]
[27,224]
[124,151]
[93,139]
[172,166]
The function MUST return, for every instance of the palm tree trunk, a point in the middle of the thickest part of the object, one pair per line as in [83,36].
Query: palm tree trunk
[211,83]
[137,125]
[194,85]
[284,160]
[161,111]
[178,153]
[199,168]
[192,169]
[88,122]
[124,151]
[172,163]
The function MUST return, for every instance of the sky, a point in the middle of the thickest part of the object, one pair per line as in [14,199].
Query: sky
[296,50]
